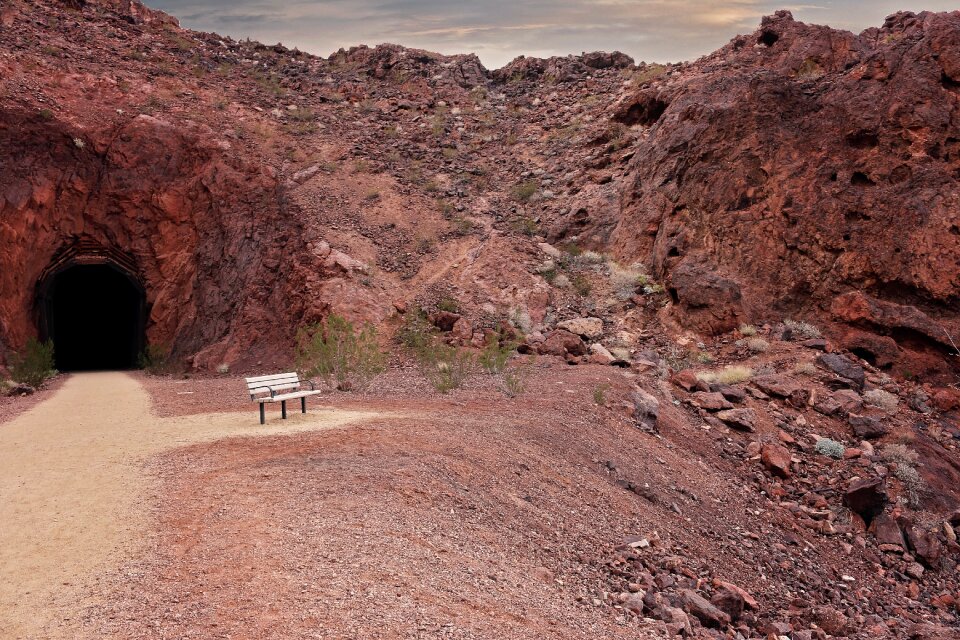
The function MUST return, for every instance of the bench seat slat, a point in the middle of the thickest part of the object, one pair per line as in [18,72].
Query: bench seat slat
[264,388]
[273,376]
[288,396]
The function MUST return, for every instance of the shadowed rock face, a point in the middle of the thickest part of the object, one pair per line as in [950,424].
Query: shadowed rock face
[209,238]
[800,164]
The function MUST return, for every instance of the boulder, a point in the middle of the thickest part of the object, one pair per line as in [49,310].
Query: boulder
[710,401]
[646,409]
[589,328]
[867,427]
[701,609]
[783,387]
[886,530]
[776,458]
[739,419]
[843,367]
[561,343]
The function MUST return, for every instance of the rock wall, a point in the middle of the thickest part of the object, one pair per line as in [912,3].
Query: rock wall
[799,165]
[220,254]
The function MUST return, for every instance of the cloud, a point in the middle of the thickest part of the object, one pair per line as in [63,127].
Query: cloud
[499,30]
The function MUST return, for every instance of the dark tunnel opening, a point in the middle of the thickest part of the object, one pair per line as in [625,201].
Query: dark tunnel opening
[95,314]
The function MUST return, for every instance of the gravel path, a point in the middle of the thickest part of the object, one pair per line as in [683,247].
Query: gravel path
[73,483]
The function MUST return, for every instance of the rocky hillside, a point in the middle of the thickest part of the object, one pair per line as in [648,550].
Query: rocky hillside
[765,243]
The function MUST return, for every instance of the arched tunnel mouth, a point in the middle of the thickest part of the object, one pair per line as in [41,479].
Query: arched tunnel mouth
[95,314]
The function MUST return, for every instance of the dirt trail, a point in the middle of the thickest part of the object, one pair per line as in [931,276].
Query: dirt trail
[73,483]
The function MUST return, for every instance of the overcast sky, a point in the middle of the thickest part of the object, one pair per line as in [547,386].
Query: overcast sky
[500,30]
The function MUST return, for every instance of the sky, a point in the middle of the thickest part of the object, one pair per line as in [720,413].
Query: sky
[500,30]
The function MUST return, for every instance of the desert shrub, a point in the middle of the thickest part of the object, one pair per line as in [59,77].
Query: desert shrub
[514,380]
[416,332]
[831,448]
[223,369]
[728,375]
[600,394]
[625,280]
[913,484]
[803,330]
[157,360]
[592,257]
[446,367]
[342,355]
[34,364]
[757,345]
[881,399]
[561,281]
[805,368]
[581,285]
[900,455]
[525,190]
[748,330]
[494,357]
[448,304]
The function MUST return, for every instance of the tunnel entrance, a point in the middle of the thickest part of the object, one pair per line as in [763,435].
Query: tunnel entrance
[94,311]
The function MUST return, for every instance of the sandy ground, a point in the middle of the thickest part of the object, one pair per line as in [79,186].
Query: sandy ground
[73,481]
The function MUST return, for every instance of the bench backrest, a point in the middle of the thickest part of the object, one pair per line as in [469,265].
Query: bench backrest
[273,383]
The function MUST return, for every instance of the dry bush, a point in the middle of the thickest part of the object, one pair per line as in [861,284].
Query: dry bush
[728,375]
[881,399]
[748,330]
[625,280]
[805,369]
[757,345]
[803,330]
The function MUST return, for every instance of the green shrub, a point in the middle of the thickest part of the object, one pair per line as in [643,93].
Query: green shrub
[416,332]
[445,366]
[493,359]
[600,394]
[342,355]
[828,447]
[34,364]
[525,190]
[514,380]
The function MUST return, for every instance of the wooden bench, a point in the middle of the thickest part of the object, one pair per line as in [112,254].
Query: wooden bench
[272,384]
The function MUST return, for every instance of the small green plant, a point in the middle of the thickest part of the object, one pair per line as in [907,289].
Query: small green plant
[600,394]
[525,190]
[831,448]
[34,364]
[525,225]
[448,304]
[156,359]
[344,356]
[727,375]
[514,380]
[881,399]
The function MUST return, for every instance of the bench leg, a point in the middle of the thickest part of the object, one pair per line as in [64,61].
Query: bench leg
[283,408]
[303,404]
[263,416]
